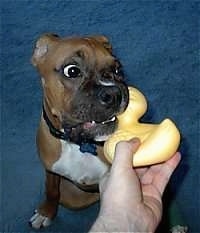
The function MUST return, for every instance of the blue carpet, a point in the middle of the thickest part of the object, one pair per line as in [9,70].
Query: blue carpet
[157,42]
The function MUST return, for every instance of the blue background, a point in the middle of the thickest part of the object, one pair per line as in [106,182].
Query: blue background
[157,43]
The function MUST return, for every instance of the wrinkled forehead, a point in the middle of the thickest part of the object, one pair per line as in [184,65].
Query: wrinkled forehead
[82,49]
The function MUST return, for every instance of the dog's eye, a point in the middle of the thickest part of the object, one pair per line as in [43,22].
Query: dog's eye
[71,71]
[118,71]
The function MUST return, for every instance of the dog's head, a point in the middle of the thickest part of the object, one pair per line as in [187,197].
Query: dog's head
[82,82]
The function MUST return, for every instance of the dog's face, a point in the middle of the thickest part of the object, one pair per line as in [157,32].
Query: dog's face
[82,83]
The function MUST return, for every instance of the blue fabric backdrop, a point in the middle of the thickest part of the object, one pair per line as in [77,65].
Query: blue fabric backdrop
[157,42]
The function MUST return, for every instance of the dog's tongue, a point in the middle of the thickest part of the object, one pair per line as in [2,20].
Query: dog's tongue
[88,125]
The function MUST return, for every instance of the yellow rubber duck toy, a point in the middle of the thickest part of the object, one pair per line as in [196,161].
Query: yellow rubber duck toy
[158,141]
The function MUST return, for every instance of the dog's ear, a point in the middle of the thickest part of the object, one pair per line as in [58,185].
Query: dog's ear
[43,45]
[104,41]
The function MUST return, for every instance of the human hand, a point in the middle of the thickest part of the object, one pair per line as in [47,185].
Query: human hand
[131,199]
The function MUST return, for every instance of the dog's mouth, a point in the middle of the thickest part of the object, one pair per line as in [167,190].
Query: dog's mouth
[100,131]
[92,124]
[94,130]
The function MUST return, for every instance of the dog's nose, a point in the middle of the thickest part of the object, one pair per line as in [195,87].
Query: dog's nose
[105,97]
[109,96]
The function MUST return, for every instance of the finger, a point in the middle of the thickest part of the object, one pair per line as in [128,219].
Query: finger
[124,153]
[161,179]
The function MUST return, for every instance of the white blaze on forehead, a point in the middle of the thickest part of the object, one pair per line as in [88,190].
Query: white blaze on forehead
[107,83]
[82,168]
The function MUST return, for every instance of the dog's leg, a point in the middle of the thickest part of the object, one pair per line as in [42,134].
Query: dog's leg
[47,210]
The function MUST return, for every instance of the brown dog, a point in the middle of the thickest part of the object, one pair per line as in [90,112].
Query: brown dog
[83,91]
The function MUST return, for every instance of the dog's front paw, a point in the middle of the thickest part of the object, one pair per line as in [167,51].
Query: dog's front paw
[38,221]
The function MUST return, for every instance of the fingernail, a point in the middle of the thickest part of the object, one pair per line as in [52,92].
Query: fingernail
[134,140]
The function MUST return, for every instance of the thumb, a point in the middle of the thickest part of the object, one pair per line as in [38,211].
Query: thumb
[124,152]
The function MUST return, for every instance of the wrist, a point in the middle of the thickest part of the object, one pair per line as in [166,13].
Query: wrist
[117,222]
[109,223]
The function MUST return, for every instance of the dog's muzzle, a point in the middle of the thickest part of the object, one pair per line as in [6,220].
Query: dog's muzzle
[109,96]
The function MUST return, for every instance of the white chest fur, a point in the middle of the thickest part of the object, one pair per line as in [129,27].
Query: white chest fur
[82,168]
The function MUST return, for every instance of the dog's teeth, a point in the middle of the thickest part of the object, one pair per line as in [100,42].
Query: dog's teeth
[113,119]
